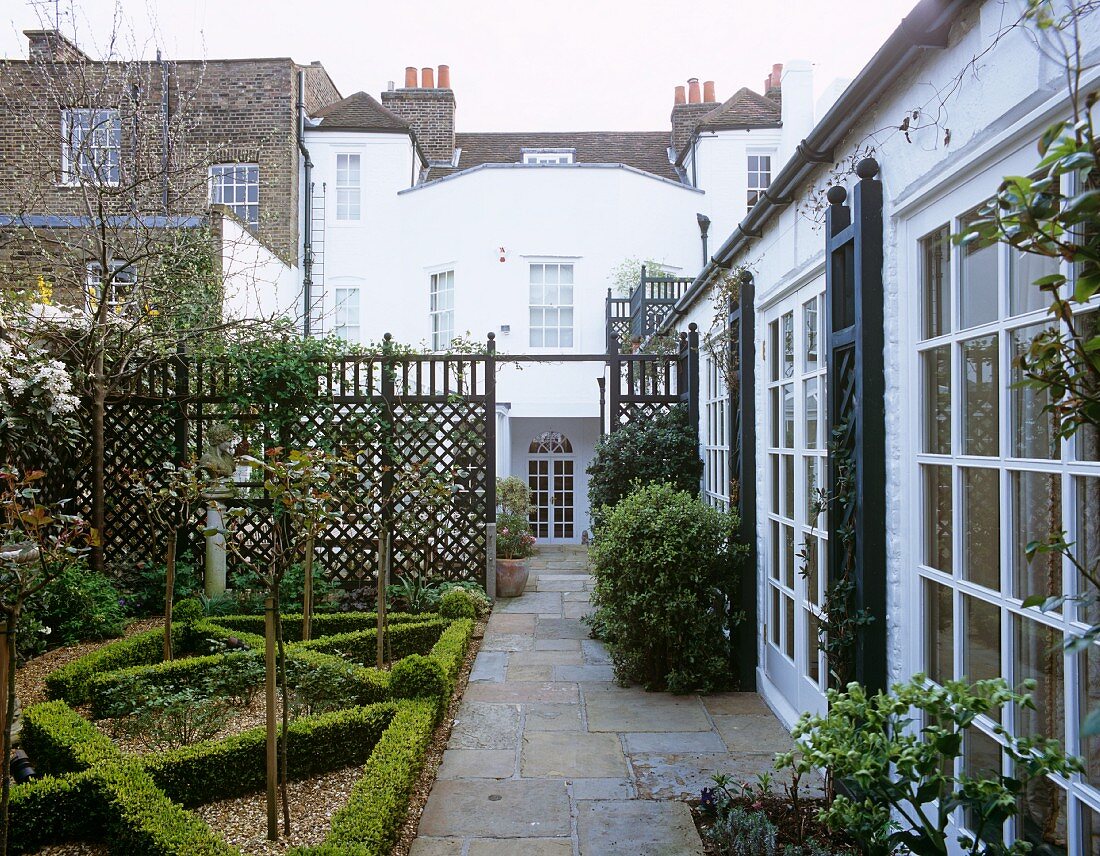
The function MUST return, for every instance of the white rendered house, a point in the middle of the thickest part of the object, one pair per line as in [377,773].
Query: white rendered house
[433,235]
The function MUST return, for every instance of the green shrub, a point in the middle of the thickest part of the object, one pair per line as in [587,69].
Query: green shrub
[870,747]
[328,624]
[60,740]
[142,585]
[451,648]
[513,496]
[325,684]
[476,592]
[188,611]
[361,647]
[72,681]
[222,769]
[417,676]
[458,604]
[662,450]
[81,605]
[660,563]
[370,821]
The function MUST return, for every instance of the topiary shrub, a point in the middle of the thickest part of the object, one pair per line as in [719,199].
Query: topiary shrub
[188,611]
[417,676]
[664,450]
[661,561]
[457,604]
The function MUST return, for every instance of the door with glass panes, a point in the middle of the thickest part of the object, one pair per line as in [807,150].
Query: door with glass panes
[550,476]
[795,522]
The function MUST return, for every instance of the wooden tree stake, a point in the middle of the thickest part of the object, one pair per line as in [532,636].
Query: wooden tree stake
[272,757]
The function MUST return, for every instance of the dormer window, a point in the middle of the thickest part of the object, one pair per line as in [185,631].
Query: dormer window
[550,156]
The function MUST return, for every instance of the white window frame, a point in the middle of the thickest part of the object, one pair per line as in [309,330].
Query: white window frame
[81,160]
[441,308]
[716,440]
[757,179]
[123,279]
[1079,796]
[218,172]
[550,157]
[551,303]
[349,193]
[347,298]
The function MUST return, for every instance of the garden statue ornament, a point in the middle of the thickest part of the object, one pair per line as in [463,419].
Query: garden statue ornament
[219,464]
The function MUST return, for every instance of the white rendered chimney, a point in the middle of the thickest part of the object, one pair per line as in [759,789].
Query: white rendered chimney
[797,106]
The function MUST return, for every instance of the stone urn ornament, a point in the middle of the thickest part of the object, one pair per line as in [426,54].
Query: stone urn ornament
[218,464]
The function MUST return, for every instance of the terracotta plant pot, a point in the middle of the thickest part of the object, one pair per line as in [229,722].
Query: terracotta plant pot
[511,577]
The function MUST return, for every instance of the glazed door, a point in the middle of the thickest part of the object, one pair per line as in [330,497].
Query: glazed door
[550,476]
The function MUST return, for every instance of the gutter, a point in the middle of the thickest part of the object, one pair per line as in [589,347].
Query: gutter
[307,210]
[927,26]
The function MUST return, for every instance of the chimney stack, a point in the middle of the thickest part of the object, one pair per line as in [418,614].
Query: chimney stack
[681,95]
[688,109]
[774,81]
[708,91]
[430,111]
[693,90]
[51,46]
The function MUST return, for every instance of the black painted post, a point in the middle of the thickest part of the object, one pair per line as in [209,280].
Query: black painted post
[180,363]
[742,488]
[615,364]
[691,387]
[601,382]
[389,439]
[490,449]
[856,409]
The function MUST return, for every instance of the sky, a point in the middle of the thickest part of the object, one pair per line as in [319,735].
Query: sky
[563,65]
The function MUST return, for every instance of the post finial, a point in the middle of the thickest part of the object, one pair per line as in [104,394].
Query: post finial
[867,168]
[837,194]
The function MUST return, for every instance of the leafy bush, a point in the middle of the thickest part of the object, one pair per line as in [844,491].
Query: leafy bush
[664,450]
[250,593]
[142,585]
[475,591]
[188,611]
[659,564]
[72,681]
[458,604]
[321,688]
[413,593]
[417,676]
[222,603]
[514,538]
[513,496]
[898,750]
[81,605]
[169,720]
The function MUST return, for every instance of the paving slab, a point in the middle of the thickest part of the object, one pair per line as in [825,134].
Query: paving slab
[560,583]
[636,828]
[436,847]
[523,691]
[546,658]
[735,704]
[489,666]
[567,754]
[514,622]
[602,789]
[478,764]
[552,717]
[673,742]
[485,726]
[583,673]
[595,652]
[614,708]
[579,596]
[530,847]
[536,602]
[513,808]
[530,673]
[557,645]
[753,733]
[560,628]
[577,610]
[507,642]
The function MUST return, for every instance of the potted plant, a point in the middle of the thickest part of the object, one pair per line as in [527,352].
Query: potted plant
[514,539]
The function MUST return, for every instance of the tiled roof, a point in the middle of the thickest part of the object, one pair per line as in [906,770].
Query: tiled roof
[359,112]
[745,109]
[644,150]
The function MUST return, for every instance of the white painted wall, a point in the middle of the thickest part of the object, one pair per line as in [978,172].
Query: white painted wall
[257,283]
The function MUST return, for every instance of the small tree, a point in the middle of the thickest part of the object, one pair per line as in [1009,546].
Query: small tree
[37,544]
[299,486]
[169,496]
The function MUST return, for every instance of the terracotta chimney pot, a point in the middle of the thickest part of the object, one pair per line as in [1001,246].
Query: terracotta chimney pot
[444,76]
[427,78]
[693,90]
[681,95]
[410,77]
[708,91]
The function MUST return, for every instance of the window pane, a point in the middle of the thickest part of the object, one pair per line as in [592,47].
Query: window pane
[788,556]
[1089,694]
[938,633]
[1087,438]
[788,344]
[980,396]
[1033,433]
[788,486]
[981,759]
[982,653]
[1042,817]
[773,330]
[1039,657]
[938,524]
[1023,270]
[813,652]
[1036,516]
[811,413]
[981,507]
[937,400]
[935,284]
[1086,545]
[809,334]
[788,415]
[810,549]
[978,284]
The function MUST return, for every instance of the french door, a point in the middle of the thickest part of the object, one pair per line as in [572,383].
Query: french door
[550,476]
[795,522]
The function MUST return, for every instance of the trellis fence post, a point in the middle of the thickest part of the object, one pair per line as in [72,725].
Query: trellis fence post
[490,463]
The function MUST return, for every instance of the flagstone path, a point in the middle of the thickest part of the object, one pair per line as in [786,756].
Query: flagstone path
[550,757]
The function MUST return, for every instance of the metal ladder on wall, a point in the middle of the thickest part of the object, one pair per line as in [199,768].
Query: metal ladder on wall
[317,293]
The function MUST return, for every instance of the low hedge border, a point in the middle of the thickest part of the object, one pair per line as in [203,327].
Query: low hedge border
[72,680]
[325,624]
[129,802]
[361,646]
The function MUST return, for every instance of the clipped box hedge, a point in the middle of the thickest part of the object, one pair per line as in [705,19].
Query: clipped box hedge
[72,681]
[324,624]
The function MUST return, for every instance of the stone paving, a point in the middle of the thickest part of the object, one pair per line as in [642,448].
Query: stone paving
[550,757]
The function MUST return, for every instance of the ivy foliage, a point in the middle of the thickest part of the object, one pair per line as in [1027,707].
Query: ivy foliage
[661,561]
[664,450]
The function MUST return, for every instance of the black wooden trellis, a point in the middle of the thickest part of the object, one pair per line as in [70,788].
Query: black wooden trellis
[384,410]
[642,386]
[741,323]
[856,415]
